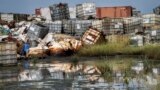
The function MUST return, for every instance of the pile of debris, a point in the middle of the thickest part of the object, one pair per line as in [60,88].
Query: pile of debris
[42,42]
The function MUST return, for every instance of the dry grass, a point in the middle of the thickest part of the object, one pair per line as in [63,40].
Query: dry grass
[107,49]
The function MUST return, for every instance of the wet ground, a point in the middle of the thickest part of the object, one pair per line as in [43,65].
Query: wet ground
[67,73]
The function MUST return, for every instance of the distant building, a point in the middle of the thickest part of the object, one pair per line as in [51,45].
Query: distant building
[85,10]
[59,11]
[13,17]
[157,10]
[20,17]
[7,17]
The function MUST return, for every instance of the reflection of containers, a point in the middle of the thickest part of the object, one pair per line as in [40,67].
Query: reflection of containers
[8,74]
[92,36]
[57,75]
[138,67]
[85,10]
[8,53]
[156,71]
[54,27]
[37,31]
[114,12]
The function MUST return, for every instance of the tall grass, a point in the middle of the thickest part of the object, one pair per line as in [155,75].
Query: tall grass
[152,51]
[100,50]
[107,49]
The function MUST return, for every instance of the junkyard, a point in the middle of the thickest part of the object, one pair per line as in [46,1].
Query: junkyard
[85,47]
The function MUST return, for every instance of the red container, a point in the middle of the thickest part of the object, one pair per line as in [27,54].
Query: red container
[114,12]
[38,11]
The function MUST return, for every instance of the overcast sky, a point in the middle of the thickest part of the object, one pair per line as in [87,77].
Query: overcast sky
[28,6]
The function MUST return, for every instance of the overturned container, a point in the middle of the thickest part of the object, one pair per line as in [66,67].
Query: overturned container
[93,36]
[8,53]
[37,31]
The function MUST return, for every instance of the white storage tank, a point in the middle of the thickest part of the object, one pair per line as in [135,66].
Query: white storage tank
[138,40]
[54,27]
[72,12]
[80,26]
[85,10]
[98,24]
[151,19]
[132,24]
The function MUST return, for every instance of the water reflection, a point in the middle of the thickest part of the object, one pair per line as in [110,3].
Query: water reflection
[126,74]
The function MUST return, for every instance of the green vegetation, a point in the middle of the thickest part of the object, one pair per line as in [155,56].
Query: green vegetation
[106,71]
[100,50]
[109,67]
[108,49]
[152,51]
[115,64]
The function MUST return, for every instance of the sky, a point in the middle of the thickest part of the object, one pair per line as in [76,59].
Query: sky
[28,6]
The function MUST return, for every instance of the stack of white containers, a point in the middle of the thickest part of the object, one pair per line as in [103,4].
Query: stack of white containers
[8,53]
[85,10]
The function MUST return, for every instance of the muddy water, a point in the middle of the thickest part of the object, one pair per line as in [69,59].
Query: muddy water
[98,74]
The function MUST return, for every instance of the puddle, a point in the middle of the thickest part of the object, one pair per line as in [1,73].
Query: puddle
[123,74]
